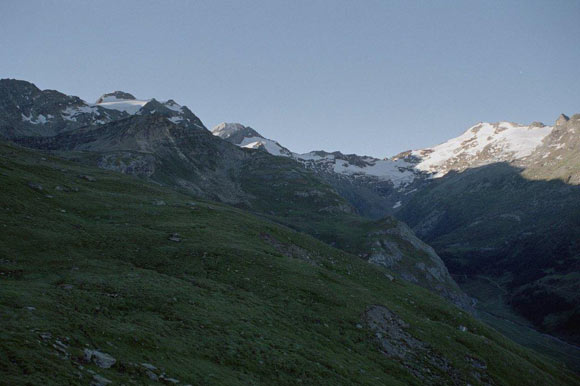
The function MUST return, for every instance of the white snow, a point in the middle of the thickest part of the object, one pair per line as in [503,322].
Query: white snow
[312,156]
[271,147]
[70,113]
[129,106]
[173,106]
[397,204]
[480,144]
[503,141]
[175,119]
[40,119]
[382,169]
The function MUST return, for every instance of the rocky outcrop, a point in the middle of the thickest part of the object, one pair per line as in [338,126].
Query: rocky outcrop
[562,119]
[431,367]
[394,246]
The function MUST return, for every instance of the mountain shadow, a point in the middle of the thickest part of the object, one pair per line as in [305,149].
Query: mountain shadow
[522,234]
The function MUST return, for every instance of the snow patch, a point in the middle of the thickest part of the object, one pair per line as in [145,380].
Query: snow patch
[129,106]
[171,105]
[175,119]
[40,119]
[271,147]
[395,171]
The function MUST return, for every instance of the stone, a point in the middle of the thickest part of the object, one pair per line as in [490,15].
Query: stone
[100,380]
[175,237]
[562,119]
[100,359]
[148,366]
[168,380]
[152,375]
[87,178]
[159,203]
[35,186]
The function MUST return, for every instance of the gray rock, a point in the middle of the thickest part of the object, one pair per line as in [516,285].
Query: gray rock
[148,366]
[87,178]
[100,359]
[35,186]
[100,380]
[175,237]
[151,375]
[562,119]
[168,380]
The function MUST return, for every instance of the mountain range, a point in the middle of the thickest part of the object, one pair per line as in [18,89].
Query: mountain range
[493,208]
[499,203]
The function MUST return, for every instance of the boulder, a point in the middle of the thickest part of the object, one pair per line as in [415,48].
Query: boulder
[100,359]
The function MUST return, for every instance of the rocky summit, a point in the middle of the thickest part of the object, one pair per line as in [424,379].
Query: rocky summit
[138,246]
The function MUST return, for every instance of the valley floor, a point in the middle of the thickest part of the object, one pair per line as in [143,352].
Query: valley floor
[493,310]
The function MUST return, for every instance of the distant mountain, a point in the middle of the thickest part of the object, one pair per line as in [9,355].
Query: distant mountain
[29,111]
[393,181]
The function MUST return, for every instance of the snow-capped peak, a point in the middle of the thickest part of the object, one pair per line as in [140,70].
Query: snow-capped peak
[226,130]
[398,172]
[245,136]
[121,101]
[482,144]
[115,96]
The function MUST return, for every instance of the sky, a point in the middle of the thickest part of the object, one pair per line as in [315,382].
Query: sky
[367,77]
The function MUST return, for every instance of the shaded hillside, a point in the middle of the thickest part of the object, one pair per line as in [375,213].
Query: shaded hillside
[492,221]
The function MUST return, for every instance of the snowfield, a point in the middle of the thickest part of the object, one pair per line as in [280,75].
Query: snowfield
[503,141]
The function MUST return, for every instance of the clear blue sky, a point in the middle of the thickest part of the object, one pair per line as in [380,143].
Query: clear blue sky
[371,77]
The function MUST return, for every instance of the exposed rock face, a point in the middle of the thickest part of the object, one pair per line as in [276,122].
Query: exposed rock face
[99,358]
[115,95]
[27,111]
[396,247]
[562,119]
[429,366]
[245,136]
[558,156]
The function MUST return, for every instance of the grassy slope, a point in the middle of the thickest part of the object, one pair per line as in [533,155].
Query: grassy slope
[95,268]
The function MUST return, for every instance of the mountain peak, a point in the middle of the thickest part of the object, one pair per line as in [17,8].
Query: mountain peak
[563,118]
[115,96]
[227,130]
